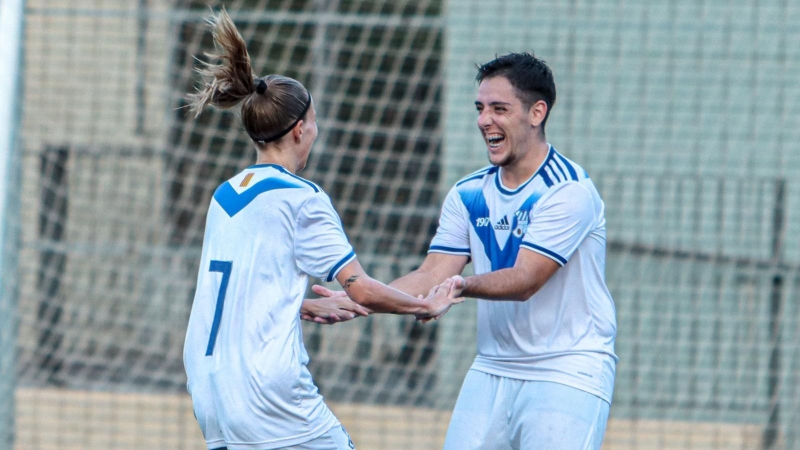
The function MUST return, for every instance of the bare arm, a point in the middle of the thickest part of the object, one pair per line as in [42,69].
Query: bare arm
[530,272]
[330,310]
[436,268]
[379,297]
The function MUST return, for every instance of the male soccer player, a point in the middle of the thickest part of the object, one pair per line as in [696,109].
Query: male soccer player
[533,224]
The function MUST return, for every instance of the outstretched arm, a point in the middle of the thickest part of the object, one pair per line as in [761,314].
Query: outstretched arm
[379,297]
[530,272]
[330,310]
[435,269]
[559,224]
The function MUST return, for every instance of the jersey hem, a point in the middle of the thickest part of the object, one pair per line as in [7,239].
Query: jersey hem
[215,444]
[482,366]
[285,442]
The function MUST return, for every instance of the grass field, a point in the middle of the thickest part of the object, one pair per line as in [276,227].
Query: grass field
[57,419]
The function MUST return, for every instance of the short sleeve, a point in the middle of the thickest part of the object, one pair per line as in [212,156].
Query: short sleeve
[321,247]
[560,221]
[452,236]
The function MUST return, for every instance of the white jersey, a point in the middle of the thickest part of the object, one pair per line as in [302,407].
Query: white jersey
[266,231]
[565,332]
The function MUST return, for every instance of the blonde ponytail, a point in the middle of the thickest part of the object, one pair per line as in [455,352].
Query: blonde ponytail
[231,81]
[271,106]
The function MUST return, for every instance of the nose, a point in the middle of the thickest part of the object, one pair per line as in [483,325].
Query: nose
[484,119]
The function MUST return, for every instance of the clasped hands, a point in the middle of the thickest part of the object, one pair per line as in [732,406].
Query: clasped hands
[335,306]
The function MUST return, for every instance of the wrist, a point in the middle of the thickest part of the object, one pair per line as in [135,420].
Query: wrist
[465,289]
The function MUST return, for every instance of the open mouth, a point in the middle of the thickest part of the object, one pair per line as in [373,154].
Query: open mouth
[494,140]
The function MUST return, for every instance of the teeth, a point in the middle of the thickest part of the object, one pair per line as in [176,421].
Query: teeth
[494,139]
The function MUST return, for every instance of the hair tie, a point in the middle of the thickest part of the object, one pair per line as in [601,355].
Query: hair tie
[262,86]
[287,130]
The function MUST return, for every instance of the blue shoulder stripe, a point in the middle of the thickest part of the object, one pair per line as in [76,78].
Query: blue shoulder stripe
[313,186]
[283,169]
[233,202]
[555,165]
[547,181]
[571,169]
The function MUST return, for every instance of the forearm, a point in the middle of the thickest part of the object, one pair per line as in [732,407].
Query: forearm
[416,283]
[505,284]
[436,268]
[379,297]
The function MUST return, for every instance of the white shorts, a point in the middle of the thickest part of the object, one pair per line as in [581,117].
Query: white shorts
[334,439]
[499,413]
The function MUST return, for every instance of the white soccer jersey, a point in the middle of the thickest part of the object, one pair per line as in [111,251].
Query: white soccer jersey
[565,332]
[266,231]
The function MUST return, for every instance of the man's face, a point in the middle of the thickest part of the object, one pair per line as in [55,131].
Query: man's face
[503,121]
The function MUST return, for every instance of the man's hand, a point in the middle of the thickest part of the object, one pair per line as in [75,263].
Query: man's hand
[452,287]
[441,298]
[332,307]
[458,287]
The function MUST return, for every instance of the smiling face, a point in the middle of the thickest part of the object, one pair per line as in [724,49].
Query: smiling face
[509,129]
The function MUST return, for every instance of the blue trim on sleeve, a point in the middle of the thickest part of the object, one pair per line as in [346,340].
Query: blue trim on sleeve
[553,255]
[233,202]
[283,169]
[443,249]
[339,265]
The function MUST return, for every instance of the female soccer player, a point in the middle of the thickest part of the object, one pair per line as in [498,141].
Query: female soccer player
[268,229]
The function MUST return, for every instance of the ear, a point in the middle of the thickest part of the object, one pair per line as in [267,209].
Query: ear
[297,131]
[537,113]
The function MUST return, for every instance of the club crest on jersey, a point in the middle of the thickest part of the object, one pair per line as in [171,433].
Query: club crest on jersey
[503,224]
[522,223]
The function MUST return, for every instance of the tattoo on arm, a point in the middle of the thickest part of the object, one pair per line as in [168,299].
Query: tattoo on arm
[350,281]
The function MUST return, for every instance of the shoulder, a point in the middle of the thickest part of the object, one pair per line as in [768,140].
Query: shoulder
[265,177]
[569,197]
[243,188]
[476,176]
[557,169]
[302,182]
[565,179]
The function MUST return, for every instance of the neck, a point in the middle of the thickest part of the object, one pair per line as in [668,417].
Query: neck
[276,156]
[519,171]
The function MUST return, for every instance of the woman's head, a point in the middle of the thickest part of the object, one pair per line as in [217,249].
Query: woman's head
[272,106]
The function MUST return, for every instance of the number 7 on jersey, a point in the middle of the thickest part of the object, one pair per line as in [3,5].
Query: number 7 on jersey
[225,268]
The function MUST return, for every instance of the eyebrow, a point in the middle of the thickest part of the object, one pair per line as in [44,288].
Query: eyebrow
[494,103]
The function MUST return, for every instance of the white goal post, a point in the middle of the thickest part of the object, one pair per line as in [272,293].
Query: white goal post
[11,29]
